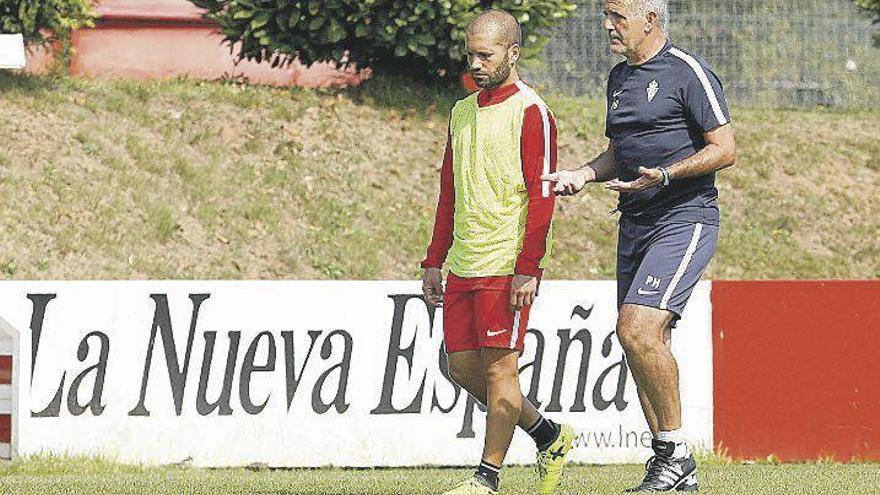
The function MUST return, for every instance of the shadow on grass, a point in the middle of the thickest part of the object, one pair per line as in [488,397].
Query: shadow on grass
[392,92]
[17,81]
[405,93]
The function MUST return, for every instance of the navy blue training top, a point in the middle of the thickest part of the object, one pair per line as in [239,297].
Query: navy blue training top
[657,114]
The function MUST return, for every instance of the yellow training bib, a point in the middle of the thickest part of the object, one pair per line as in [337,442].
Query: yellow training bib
[491,200]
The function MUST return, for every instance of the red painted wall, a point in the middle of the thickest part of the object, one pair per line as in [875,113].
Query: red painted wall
[144,39]
[797,369]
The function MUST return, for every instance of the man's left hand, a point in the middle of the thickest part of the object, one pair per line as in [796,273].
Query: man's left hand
[650,177]
[523,290]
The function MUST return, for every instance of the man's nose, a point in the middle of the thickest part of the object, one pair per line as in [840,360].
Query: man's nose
[609,26]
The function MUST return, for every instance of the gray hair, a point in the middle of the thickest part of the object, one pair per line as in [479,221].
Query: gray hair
[659,7]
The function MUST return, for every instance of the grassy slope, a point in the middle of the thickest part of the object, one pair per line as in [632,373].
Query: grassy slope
[53,476]
[182,179]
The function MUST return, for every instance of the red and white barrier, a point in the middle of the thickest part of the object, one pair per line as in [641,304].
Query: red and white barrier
[6,350]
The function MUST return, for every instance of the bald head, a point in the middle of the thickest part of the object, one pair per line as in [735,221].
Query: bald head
[498,24]
[493,48]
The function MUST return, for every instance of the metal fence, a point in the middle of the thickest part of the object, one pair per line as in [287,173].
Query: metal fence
[776,53]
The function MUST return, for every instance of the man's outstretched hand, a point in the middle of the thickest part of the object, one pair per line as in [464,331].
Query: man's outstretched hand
[650,177]
[567,182]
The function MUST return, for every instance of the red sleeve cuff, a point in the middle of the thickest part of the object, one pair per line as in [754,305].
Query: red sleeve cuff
[527,267]
[428,263]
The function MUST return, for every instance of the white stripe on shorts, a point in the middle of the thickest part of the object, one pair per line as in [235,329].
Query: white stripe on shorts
[514,333]
[682,267]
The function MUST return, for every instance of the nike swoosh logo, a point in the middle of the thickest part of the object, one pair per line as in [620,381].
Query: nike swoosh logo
[643,292]
[490,333]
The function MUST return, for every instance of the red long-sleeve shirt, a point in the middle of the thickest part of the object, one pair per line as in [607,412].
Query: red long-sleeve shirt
[535,140]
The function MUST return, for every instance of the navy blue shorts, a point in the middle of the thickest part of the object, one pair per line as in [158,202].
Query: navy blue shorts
[658,265]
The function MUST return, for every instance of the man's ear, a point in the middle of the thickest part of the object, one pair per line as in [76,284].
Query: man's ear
[513,53]
[652,22]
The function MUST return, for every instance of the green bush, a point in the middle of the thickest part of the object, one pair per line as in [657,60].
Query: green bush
[44,21]
[872,6]
[422,37]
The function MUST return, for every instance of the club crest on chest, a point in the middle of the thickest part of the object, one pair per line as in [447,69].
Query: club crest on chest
[653,88]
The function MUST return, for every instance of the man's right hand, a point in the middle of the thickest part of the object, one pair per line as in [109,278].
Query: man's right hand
[432,286]
[570,182]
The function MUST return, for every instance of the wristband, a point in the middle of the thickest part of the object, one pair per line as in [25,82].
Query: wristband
[665,176]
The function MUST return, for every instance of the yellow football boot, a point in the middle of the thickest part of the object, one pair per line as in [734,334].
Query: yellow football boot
[552,459]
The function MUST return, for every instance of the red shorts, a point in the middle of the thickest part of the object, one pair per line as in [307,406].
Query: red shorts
[476,314]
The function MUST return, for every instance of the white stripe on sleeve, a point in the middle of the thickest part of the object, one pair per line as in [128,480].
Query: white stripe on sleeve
[704,80]
[545,121]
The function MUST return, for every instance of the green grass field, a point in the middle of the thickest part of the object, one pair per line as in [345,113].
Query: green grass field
[213,180]
[50,476]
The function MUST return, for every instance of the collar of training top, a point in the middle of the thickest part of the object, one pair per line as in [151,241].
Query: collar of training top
[666,47]
[493,96]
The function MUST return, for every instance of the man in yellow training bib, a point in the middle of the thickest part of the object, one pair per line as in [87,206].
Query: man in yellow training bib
[493,230]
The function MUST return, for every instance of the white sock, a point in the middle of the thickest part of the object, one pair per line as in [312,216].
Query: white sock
[677,437]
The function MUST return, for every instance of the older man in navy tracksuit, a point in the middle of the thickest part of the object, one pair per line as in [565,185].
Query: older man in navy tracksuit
[668,126]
